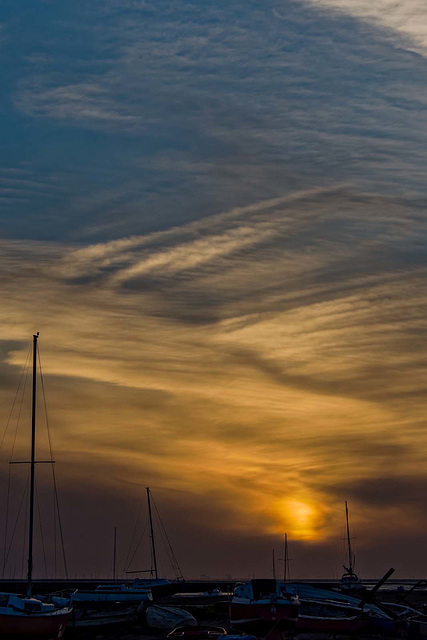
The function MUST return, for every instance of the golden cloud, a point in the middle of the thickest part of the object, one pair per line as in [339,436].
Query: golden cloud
[261,360]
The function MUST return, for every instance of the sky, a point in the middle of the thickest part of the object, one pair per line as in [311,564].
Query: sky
[214,214]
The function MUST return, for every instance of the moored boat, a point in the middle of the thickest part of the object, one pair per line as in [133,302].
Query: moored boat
[26,616]
[350,582]
[110,593]
[375,616]
[167,618]
[330,617]
[83,618]
[307,592]
[159,587]
[262,601]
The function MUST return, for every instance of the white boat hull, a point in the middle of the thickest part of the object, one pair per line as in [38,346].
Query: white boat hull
[168,618]
[82,597]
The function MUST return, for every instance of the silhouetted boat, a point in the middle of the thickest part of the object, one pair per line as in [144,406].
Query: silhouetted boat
[349,582]
[26,616]
[29,617]
[160,587]
[307,592]
[259,602]
[167,618]
[330,617]
[323,609]
[83,618]
[110,593]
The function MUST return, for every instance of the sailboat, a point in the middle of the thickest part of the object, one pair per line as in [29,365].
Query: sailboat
[27,616]
[259,604]
[139,591]
[349,580]
[155,583]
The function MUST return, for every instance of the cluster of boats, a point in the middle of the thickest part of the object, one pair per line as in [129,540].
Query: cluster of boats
[257,608]
[261,604]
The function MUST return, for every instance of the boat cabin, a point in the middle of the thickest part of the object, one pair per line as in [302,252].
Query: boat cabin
[25,605]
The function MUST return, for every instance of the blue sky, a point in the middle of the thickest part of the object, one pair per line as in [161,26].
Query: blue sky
[122,118]
[214,214]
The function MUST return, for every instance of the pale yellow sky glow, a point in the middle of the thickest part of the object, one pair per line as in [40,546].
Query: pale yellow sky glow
[272,370]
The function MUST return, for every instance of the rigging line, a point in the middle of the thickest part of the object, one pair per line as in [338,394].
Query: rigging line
[18,419]
[137,546]
[162,535]
[45,406]
[61,533]
[167,538]
[41,529]
[55,488]
[134,533]
[24,372]
[25,492]
[174,569]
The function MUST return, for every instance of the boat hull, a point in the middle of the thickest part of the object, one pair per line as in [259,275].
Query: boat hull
[271,611]
[42,627]
[168,618]
[99,597]
[330,625]
[95,619]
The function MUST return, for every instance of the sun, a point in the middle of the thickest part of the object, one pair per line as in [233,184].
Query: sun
[299,518]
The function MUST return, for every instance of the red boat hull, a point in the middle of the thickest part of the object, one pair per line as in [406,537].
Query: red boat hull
[42,627]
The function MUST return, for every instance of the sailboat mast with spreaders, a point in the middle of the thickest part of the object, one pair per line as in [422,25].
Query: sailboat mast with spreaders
[32,470]
[27,616]
[153,544]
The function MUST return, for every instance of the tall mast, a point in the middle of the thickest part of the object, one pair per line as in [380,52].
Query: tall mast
[350,559]
[274,567]
[32,469]
[285,560]
[114,553]
[153,546]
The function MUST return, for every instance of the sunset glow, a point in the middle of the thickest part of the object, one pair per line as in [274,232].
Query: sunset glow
[300,519]
[215,215]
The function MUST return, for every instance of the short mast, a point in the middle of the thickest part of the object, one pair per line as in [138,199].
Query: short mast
[285,560]
[32,469]
[153,546]
[114,553]
[350,558]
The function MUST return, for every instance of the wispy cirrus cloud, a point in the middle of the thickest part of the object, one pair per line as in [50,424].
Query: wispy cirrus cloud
[171,113]
[406,18]
[86,101]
